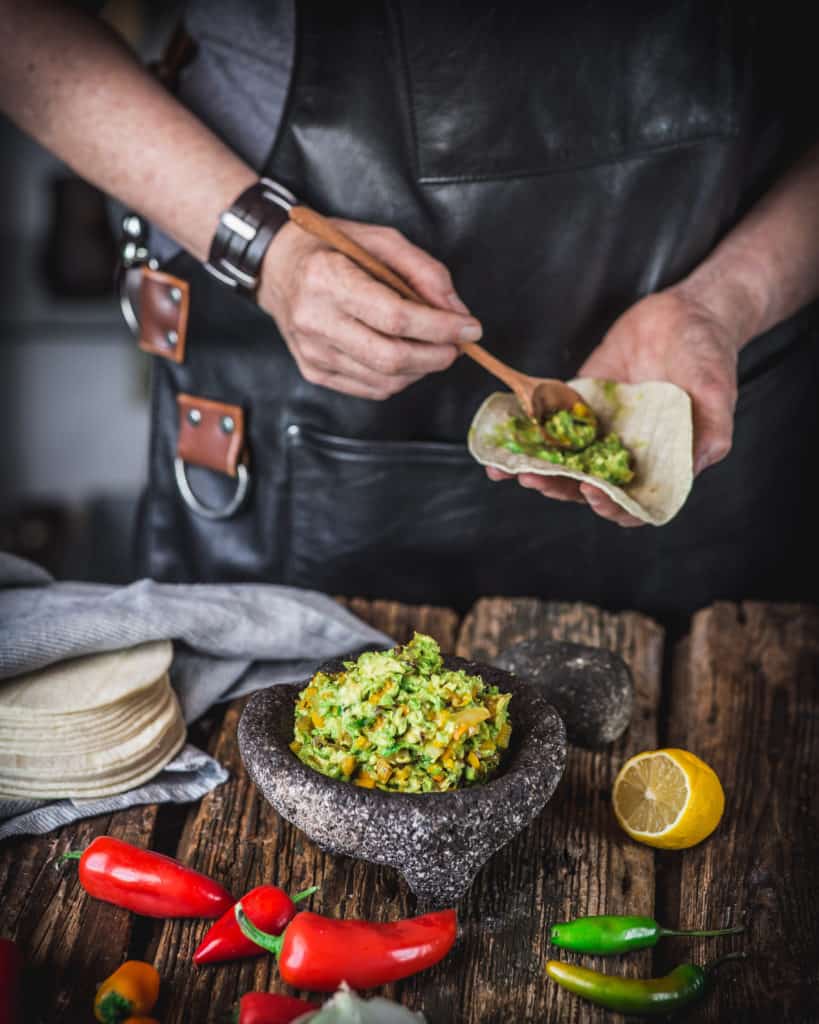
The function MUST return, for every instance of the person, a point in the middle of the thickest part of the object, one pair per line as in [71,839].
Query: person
[628,192]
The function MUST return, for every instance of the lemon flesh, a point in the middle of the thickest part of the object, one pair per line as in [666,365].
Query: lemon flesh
[668,798]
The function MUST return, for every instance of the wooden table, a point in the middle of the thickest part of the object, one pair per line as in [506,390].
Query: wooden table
[740,690]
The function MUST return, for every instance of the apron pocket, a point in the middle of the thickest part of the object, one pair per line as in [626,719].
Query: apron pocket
[380,518]
[421,523]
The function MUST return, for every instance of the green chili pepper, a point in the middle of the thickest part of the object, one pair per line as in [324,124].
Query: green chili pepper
[642,997]
[608,934]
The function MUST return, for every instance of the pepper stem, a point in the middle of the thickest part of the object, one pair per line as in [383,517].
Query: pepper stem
[719,931]
[304,894]
[713,965]
[272,943]
[71,855]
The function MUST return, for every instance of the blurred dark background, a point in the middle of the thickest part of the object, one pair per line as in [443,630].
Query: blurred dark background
[73,384]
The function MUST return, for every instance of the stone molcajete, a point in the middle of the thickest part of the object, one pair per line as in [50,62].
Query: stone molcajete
[438,841]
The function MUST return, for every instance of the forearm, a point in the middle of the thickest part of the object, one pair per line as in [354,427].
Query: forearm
[69,82]
[767,267]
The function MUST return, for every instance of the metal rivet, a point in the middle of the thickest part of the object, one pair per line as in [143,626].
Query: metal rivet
[194,417]
[132,225]
[171,337]
[176,295]
[293,430]
[227,424]
[153,264]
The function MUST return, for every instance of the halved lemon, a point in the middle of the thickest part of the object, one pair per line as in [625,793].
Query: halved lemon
[668,798]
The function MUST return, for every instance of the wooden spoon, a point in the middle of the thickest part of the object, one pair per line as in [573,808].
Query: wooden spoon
[538,396]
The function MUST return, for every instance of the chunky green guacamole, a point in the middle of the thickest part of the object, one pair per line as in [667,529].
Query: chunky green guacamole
[569,438]
[398,720]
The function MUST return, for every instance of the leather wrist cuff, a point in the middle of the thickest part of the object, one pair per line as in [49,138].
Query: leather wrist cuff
[244,233]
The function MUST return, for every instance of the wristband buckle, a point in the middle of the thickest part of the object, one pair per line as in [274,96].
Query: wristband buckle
[240,227]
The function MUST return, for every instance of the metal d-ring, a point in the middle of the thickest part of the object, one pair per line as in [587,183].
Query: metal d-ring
[195,505]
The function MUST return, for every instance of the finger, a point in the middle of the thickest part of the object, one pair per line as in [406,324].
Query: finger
[386,356]
[561,489]
[427,275]
[341,383]
[373,303]
[319,356]
[602,505]
[498,474]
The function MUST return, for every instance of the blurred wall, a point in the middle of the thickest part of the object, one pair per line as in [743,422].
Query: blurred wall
[73,385]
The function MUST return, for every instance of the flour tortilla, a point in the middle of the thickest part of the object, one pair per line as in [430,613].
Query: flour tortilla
[118,756]
[78,729]
[99,736]
[653,420]
[107,786]
[91,683]
[89,727]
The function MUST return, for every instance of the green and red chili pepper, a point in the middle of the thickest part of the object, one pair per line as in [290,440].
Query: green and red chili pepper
[319,953]
[268,906]
[147,883]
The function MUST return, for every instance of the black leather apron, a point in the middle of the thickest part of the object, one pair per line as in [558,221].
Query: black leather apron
[563,160]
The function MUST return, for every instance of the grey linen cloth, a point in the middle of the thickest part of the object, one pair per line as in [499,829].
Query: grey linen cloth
[229,639]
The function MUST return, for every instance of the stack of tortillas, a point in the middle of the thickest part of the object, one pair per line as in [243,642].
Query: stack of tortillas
[89,727]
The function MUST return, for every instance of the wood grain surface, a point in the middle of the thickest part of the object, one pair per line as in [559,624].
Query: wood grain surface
[746,699]
[744,695]
[574,860]
[238,838]
[70,942]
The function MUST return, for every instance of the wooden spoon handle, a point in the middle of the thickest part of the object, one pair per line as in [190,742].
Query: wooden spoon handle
[324,229]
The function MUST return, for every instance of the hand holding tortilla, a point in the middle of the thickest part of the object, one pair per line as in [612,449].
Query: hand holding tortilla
[682,336]
[651,421]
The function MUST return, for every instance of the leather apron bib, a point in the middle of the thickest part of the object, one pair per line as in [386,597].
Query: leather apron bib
[563,162]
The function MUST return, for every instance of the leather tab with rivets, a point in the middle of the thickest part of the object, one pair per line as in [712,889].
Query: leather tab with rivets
[211,434]
[163,314]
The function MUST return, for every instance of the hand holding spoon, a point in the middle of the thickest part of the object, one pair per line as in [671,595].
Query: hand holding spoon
[538,396]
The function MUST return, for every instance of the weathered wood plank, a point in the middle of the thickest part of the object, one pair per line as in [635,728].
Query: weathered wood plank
[69,941]
[235,836]
[573,861]
[746,700]
[401,620]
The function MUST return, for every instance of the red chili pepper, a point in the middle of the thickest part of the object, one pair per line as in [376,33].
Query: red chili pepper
[146,882]
[11,966]
[318,953]
[269,1008]
[270,908]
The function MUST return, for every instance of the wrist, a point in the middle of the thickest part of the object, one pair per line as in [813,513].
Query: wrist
[282,256]
[732,290]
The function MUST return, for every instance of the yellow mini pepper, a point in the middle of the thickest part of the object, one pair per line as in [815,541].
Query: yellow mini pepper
[130,992]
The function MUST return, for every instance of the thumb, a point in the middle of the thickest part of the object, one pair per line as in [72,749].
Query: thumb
[713,428]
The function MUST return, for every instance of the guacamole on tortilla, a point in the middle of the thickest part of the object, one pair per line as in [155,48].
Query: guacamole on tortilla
[568,438]
[399,720]
[651,419]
